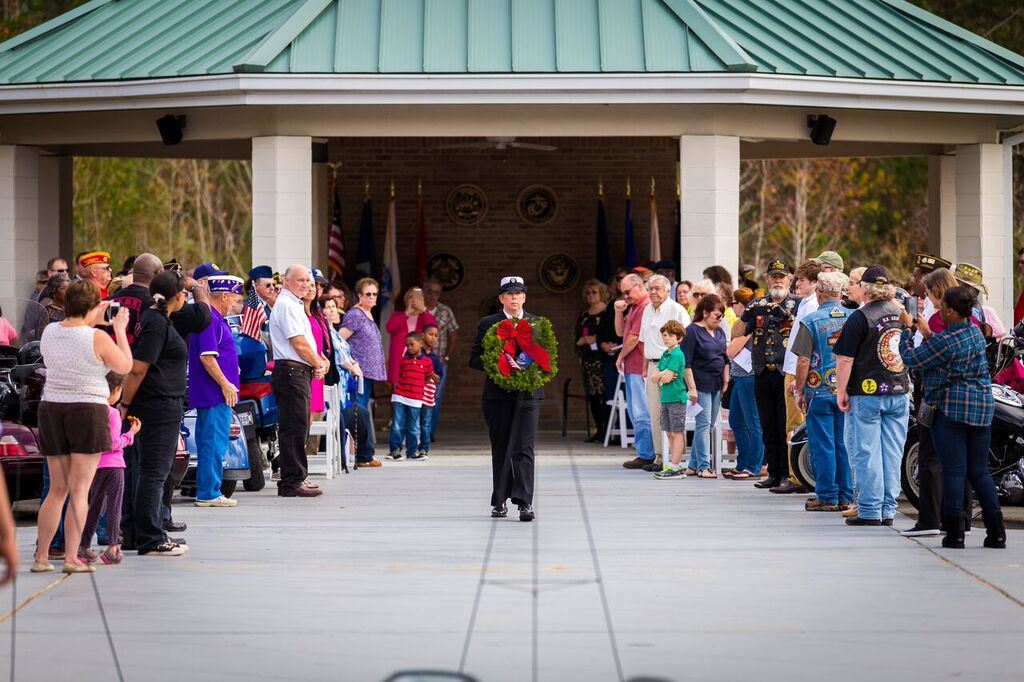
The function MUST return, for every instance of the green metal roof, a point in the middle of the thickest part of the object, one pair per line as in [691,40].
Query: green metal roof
[107,40]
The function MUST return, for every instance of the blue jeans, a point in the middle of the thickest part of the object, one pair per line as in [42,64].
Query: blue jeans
[405,427]
[876,431]
[832,483]
[963,450]
[700,451]
[213,427]
[363,399]
[435,411]
[636,404]
[426,426]
[746,426]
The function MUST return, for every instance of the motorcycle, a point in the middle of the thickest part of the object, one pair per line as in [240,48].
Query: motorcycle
[256,392]
[1006,454]
[236,461]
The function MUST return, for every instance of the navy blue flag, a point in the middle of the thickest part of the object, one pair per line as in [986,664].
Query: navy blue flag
[603,271]
[677,250]
[366,253]
[629,253]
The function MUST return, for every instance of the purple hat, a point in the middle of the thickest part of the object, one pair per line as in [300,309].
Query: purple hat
[225,284]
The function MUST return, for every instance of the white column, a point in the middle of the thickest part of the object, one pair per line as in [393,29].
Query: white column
[979,219]
[942,206]
[282,201]
[709,180]
[19,225]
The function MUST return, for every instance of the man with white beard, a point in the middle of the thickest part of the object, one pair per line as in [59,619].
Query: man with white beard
[770,320]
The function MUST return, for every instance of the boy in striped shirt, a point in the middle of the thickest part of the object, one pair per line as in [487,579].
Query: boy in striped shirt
[414,369]
[430,336]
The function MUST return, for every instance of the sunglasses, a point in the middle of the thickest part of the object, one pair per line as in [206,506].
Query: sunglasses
[717,316]
[369,294]
[697,294]
[65,269]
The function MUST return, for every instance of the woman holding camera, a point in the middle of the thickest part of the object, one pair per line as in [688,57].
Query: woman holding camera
[74,429]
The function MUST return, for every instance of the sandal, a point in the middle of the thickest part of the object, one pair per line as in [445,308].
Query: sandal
[706,473]
[691,472]
[739,476]
[309,484]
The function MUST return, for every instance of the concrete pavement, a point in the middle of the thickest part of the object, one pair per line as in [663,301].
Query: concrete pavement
[704,579]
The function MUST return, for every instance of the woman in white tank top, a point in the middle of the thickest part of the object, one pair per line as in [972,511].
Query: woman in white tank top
[74,429]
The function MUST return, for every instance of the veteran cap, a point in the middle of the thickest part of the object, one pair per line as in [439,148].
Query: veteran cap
[930,263]
[224,284]
[971,275]
[173,264]
[261,271]
[207,270]
[94,258]
[830,258]
[511,284]
[778,266]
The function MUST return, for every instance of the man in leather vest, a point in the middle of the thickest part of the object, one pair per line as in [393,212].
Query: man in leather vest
[511,417]
[770,319]
[816,384]
[873,390]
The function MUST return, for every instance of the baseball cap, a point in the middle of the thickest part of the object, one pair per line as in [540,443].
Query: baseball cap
[208,270]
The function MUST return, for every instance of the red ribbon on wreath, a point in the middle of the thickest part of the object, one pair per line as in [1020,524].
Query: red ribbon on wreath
[519,338]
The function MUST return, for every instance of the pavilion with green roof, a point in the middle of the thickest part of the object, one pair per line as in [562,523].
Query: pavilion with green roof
[292,84]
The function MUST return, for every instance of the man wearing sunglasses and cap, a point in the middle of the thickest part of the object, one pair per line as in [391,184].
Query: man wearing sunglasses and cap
[511,417]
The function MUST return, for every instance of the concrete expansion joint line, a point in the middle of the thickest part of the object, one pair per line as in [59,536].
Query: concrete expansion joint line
[966,571]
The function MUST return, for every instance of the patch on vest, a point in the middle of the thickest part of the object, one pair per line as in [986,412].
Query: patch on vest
[831,379]
[884,388]
[815,359]
[889,350]
[814,379]
[868,386]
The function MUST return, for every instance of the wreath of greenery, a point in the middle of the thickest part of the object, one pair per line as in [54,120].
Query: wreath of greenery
[531,378]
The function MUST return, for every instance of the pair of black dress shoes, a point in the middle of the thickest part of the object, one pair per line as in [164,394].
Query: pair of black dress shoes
[525,512]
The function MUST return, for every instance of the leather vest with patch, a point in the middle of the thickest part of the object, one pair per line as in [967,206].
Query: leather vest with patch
[878,369]
[771,332]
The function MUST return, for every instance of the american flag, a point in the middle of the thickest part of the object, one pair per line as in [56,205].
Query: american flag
[336,242]
[254,316]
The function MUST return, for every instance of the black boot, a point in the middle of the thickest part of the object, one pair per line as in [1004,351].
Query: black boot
[995,531]
[954,538]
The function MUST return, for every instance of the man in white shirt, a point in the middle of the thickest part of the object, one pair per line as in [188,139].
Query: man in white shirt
[661,310]
[296,364]
[804,281]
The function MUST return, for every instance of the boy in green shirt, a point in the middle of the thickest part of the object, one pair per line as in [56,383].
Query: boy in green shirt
[671,376]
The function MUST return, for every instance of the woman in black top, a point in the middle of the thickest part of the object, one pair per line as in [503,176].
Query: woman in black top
[155,393]
[595,295]
[608,345]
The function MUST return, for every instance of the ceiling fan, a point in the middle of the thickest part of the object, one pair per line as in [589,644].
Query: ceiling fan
[500,143]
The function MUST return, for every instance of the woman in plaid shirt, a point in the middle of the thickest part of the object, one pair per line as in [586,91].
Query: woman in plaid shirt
[957,385]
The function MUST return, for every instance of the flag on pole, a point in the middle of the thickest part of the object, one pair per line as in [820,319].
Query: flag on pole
[629,251]
[336,241]
[603,271]
[655,254]
[421,238]
[390,281]
[366,253]
[254,316]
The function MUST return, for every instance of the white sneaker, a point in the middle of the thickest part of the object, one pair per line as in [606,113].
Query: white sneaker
[217,502]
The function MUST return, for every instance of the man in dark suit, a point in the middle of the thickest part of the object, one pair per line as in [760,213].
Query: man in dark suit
[511,417]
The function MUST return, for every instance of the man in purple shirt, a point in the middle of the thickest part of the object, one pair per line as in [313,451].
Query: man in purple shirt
[213,389]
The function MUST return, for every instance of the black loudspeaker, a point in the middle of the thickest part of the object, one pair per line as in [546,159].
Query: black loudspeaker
[822,128]
[170,128]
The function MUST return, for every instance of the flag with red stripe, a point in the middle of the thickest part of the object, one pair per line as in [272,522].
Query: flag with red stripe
[254,316]
[336,242]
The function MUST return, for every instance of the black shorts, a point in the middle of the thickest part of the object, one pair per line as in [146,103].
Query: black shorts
[80,428]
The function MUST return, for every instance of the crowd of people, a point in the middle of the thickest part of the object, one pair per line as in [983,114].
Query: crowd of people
[128,353]
[847,354]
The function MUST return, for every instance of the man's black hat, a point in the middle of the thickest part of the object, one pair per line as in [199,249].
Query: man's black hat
[778,265]
[930,263]
[876,274]
[511,284]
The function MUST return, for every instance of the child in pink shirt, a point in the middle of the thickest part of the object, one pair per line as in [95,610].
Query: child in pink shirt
[108,484]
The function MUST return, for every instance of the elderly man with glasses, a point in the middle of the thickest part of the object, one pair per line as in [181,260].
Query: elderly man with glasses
[661,309]
[95,265]
[631,363]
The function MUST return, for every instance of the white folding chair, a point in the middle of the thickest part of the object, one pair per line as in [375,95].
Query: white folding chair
[618,425]
[330,427]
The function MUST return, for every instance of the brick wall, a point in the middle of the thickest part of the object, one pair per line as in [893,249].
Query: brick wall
[502,244]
